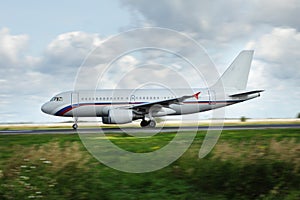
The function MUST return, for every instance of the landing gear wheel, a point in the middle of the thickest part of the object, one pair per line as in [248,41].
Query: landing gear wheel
[144,123]
[75,126]
[152,124]
[148,124]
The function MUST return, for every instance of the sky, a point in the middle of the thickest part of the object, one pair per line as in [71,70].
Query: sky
[43,46]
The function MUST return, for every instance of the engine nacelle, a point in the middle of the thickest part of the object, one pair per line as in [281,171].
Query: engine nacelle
[117,116]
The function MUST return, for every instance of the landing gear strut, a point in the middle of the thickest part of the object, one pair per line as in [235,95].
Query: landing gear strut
[148,123]
[151,122]
[75,125]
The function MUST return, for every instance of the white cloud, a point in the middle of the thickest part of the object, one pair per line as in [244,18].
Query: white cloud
[279,55]
[11,47]
[209,19]
[224,27]
[276,69]
[276,12]
[68,51]
[28,81]
[125,54]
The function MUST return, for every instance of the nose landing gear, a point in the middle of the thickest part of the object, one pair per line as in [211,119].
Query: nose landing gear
[75,125]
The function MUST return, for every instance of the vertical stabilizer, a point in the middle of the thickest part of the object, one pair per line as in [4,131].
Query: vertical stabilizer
[236,76]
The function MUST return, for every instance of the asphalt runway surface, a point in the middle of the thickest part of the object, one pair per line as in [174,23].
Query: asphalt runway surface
[146,130]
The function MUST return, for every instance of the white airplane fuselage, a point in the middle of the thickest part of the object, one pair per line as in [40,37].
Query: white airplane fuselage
[122,106]
[86,103]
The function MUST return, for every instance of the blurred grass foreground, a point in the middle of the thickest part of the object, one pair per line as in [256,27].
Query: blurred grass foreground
[248,164]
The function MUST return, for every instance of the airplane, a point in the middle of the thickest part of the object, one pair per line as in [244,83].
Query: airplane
[121,106]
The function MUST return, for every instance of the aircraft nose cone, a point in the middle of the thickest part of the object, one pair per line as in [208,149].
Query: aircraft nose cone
[45,108]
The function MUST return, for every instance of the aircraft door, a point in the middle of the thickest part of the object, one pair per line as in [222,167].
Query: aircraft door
[212,97]
[74,99]
[132,99]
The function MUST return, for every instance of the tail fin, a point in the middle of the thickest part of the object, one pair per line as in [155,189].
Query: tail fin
[236,76]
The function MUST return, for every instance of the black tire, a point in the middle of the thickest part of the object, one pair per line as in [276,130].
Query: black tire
[75,126]
[144,123]
[152,124]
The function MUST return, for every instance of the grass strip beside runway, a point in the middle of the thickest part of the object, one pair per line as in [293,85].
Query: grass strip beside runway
[245,164]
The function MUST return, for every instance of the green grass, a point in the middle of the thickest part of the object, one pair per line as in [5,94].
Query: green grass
[248,164]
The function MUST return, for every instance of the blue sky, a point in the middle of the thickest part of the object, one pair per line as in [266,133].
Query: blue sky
[43,44]
[43,21]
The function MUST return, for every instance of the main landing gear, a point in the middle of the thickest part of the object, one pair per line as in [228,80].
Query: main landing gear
[148,123]
[151,122]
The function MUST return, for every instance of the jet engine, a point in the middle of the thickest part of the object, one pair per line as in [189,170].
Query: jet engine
[117,116]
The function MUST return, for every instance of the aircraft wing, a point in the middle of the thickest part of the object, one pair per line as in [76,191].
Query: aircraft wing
[158,105]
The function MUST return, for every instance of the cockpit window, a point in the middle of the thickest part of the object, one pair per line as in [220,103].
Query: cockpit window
[56,99]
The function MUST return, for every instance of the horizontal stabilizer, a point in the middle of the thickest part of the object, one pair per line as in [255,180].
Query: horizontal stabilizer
[245,93]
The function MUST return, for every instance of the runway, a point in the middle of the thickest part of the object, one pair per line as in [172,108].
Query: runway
[147,130]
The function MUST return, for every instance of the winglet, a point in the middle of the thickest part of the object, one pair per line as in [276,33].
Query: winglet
[197,95]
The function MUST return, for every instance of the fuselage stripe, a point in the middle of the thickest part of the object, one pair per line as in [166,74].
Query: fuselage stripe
[68,108]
